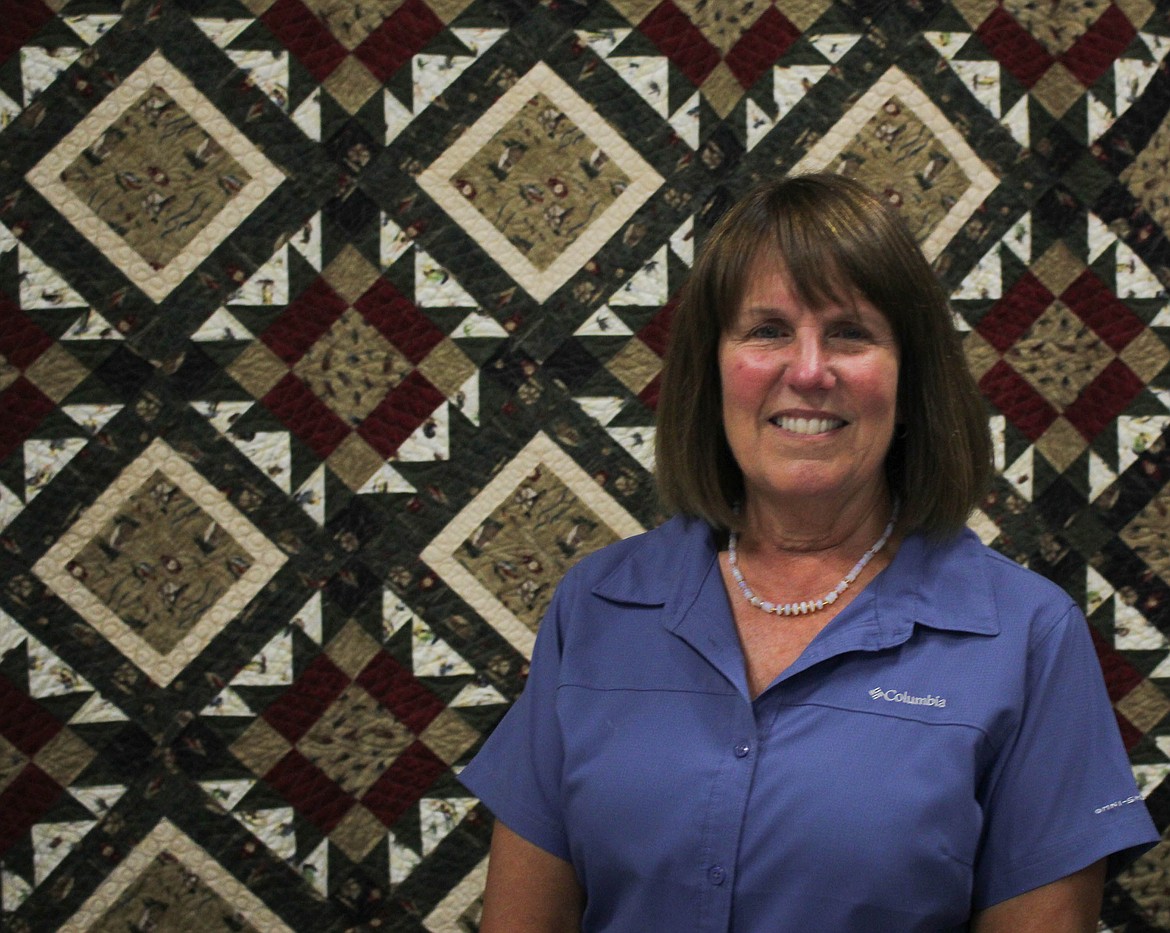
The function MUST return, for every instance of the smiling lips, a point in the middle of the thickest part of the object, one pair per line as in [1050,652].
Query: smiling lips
[807,425]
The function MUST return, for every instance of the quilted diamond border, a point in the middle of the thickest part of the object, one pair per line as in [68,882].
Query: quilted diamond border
[157,284]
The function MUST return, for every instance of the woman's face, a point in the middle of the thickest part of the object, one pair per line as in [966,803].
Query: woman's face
[809,394]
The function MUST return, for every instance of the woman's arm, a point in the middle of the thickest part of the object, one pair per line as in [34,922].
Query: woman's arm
[529,890]
[1070,905]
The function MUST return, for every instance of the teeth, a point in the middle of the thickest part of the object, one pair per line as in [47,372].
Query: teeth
[809,425]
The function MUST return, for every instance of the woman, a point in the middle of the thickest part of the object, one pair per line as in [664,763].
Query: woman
[812,700]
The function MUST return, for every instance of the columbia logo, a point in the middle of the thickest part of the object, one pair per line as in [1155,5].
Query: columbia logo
[901,696]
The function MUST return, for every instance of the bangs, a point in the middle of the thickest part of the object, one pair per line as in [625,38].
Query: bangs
[819,249]
[817,256]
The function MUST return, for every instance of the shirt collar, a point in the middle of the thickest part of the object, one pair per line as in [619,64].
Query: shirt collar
[921,584]
[668,567]
[918,588]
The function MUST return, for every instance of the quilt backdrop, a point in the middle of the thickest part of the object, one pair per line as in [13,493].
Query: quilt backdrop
[330,335]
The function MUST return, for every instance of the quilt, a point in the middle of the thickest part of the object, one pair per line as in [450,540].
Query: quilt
[330,336]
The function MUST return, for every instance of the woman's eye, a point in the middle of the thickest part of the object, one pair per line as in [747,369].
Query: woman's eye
[851,332]
[765,331]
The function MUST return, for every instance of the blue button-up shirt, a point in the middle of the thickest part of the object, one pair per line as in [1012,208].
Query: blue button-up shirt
[943,744]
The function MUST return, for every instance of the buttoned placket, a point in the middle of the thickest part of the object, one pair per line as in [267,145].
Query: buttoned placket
[704,621]
[725,819]
[749,725]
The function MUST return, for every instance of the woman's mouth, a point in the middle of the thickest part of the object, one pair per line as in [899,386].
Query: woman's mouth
[807,425]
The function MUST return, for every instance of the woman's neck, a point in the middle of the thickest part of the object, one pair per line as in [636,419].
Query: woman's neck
[777,529]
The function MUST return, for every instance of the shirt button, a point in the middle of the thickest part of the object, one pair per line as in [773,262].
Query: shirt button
[742,750]
[717,874]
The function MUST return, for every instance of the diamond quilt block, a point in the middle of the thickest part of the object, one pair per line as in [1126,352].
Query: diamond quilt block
[540,217]
[355,746]
[722,52]
[1057,57]
[352,49]
[1061,366]
[355,369]
[159,166]
[160,563]
[535,514]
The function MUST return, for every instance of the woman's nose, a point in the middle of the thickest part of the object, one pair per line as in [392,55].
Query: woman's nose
[810,366]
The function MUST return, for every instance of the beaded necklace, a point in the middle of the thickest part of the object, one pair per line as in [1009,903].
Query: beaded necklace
[807,606]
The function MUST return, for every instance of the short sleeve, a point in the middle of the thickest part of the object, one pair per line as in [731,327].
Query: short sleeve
[1062,794]
[517,771]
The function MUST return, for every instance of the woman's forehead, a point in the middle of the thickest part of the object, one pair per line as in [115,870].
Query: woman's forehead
[821,286]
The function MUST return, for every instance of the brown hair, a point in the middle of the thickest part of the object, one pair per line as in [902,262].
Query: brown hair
[835,237]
